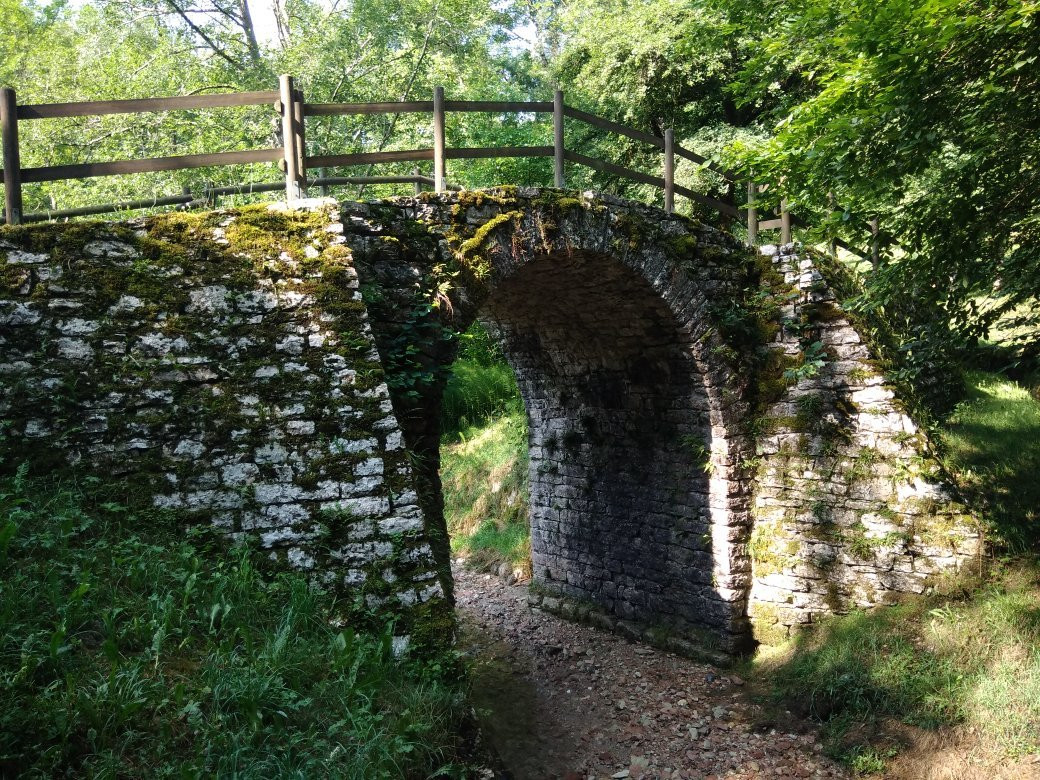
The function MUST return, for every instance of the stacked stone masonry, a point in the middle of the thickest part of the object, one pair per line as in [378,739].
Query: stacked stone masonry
[672,498]
[850,509]
[224,366]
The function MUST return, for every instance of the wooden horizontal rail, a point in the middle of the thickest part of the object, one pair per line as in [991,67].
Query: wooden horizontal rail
[618,170]
[654,181]
[292,156]
[347,181]
[110,208]
[321,181]
[704,162]
[851,249]
[412,155]
[499,106]
[368,158]
[90,170]
[142,105]
[706,200]
[243,189]
[342,109]
[614,127]
[483,153]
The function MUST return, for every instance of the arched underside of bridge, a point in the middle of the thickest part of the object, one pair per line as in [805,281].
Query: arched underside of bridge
[680,480]
[636,506]
[620,428]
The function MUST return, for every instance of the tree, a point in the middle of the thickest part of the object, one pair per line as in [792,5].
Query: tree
[925,113]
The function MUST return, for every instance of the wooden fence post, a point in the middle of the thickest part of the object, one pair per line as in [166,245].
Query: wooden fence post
[12,160]
[669,170]
[785,222]
[416,185]
[324,187]
[301,140]
[558,148]
[752,214]
[290,155]
[439,173]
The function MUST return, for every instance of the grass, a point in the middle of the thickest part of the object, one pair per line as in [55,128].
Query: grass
[967,660]
[992,446]
[484,478]
[476,394]
[484,458]
[481,386]
[129,648]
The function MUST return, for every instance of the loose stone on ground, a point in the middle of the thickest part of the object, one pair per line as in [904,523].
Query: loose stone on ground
[561,700]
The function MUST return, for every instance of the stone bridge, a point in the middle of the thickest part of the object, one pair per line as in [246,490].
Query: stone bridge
[715,455]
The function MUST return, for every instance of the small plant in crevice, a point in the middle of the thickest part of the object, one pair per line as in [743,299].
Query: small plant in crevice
[572,441]
[814,358]
[694,445]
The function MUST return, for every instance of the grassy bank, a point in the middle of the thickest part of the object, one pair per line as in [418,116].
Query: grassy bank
[484,475]
[992,447]
[129,648]
[971,660]
[484,458]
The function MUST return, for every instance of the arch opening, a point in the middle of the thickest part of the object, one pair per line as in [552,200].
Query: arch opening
[639,505]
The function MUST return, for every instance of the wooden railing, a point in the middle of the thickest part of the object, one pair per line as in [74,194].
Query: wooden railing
[294,161]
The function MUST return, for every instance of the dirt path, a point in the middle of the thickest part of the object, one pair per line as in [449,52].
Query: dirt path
[563,701]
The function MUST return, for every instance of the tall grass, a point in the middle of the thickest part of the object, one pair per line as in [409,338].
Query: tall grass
[481,386]
[129,648]
[992,444]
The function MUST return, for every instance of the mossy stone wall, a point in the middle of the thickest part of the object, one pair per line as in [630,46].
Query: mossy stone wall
[221,367]
[850,506]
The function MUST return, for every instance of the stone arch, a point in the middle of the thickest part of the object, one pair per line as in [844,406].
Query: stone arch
[249,393]
[639,507]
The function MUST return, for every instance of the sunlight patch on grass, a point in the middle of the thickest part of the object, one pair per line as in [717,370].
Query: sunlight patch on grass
[992,445]
[485,484]
[939,662]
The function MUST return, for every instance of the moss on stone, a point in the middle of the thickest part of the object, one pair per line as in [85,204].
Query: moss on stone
[469,248]
[765,623]
[771,549]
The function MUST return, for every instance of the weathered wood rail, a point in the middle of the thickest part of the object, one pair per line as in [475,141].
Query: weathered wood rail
[294,161]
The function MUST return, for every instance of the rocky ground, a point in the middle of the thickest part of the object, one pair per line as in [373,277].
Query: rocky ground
[564,701]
